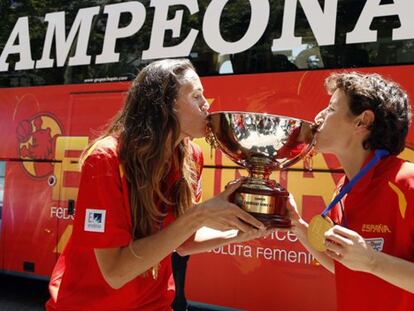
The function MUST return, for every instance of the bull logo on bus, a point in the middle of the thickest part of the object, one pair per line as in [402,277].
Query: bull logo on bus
[37,140]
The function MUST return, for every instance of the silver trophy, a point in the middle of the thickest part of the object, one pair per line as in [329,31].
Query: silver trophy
[261,143]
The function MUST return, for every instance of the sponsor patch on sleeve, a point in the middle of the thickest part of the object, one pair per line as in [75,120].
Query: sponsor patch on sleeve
[95,220]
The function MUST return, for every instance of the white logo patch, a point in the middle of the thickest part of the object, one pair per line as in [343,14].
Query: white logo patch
[376,243]
[95,220]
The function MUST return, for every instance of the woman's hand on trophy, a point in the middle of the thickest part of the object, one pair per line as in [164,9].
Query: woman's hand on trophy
[220,214]
[293,209]
[299,226]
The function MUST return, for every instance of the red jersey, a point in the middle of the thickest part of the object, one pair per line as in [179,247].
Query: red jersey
[103,220]
[380,207]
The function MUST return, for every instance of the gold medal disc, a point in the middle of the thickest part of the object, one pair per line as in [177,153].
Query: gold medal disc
[316,231]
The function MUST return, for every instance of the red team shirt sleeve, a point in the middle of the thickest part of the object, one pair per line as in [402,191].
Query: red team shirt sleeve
[102,209]
[101,212]
[405,195]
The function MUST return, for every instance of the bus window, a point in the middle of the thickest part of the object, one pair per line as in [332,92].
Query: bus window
[226,67]
[261,56]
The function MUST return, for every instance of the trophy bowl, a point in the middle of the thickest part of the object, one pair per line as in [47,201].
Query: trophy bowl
[261,143]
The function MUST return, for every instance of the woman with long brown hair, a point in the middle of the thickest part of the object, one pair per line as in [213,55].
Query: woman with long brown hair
[139,183]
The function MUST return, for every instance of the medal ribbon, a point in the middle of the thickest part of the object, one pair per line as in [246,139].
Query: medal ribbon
[379,154]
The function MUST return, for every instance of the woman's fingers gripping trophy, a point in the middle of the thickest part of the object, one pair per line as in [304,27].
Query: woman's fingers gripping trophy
[221,214]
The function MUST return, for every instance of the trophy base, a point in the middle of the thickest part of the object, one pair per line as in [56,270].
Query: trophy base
[272,221]
[264,200]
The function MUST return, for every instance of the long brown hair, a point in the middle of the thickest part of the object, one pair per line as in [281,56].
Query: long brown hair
[148,129]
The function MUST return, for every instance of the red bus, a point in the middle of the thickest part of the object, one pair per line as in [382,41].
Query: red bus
[65,67]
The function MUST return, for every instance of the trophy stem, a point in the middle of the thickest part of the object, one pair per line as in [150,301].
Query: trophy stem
[260,168]
[259,173]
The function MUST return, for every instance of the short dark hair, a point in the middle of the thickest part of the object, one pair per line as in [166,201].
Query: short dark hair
[386,99]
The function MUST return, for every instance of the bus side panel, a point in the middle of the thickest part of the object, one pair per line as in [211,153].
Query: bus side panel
[47,132]
[10,108]
[32,118]
[29,232]
[74,112]
[92,112]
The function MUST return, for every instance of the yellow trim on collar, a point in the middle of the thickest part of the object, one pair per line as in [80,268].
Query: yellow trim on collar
[91,149]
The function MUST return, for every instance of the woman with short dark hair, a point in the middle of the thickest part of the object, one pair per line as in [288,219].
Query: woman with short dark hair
[368,241]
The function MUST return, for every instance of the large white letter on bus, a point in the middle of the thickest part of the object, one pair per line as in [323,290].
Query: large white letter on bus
[113,32]
[322,22]
[211,27]
[161,23]
[403,8]
[21,31]
[56,28]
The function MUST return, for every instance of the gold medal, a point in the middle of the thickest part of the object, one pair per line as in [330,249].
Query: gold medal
[316,231]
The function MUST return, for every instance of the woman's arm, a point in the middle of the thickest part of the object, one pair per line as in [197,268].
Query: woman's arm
[394,270]
[300,228]
[121,265]
[350,249]
[207,239]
